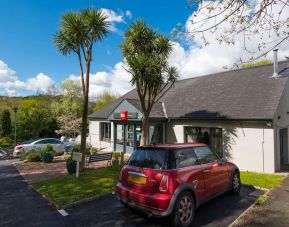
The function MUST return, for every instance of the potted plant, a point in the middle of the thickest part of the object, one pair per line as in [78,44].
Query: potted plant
[116,158]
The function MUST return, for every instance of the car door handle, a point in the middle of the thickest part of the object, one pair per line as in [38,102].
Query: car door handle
[206,171]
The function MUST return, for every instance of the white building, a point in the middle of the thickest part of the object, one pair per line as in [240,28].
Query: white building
[242,114]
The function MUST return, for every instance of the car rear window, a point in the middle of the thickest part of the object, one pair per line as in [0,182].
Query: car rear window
[149,158]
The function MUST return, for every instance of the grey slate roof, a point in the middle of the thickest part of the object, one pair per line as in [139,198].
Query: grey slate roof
[238,94]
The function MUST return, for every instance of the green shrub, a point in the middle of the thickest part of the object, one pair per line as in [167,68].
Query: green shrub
[75,149]
[48,148]
[116,155]
[47,157]
[71,166]
[34,155]
[93,150]
[6,142]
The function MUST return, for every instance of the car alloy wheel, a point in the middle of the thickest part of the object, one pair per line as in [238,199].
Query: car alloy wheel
[184,210]
[236,183]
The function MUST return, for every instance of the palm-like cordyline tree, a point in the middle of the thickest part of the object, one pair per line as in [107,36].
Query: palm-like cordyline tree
[77,34]
[146,54]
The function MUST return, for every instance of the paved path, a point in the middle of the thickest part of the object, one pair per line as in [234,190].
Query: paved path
[21,206]
[274,212]
[221,211]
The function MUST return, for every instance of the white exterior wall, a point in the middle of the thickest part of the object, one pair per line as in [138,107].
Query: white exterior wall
[247,151]
[94,136]
[281,121]
[254,150]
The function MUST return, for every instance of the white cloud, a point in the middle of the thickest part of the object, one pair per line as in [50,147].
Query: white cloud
[197,60]
[12,86]
[116,80]
[114,17]
[41,82]
[6,74]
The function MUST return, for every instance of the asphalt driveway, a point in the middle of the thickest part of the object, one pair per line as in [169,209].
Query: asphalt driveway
[20,205]
[107,211]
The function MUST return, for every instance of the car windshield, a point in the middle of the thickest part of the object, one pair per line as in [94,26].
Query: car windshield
[28,141]
[149,158]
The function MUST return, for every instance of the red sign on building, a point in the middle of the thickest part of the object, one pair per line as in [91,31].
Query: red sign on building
[123,115]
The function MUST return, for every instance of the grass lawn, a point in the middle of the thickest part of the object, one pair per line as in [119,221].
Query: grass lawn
[262,180]
[65,190]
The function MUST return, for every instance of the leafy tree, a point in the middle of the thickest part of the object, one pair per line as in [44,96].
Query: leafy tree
[5,123]
[67,110]
[104,99]
[35,119]
[146,53]
[78,33]
[229,19]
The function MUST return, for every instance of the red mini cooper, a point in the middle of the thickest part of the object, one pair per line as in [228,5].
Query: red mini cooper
[174,179]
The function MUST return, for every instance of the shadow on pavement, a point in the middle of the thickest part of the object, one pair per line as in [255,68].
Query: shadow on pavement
[107,211]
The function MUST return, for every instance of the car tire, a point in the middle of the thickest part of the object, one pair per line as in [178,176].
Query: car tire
[236,183]
[184,210]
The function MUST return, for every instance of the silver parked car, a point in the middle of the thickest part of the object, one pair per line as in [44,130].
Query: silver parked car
[28,145]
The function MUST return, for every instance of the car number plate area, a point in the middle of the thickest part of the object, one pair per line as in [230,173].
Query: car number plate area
[137,179]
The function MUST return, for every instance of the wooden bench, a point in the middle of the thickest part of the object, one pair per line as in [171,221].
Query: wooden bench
[98,157]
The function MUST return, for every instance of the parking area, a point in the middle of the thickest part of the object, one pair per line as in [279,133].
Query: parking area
[221,211]
[21,205]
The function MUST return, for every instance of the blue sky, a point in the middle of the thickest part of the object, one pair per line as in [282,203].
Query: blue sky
[27,28]
[29,61]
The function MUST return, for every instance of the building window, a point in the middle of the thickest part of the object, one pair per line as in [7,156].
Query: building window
[105,132]
[209,136]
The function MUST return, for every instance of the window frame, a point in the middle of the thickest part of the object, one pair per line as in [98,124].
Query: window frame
[105,132]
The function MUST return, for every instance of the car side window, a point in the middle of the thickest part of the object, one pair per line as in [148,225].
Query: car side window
[41,142]
[52,141]
[185,157]
[205,155]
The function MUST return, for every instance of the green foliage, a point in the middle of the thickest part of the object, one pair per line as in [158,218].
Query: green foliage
[104,99]
[34,119]
[146,53]
[5,123]
[75,149]
[93,150]
[71,166]
[67,110]
[47,157]
[253,64]
[66,190]
[262,199]
[48,148]
[6,142]
[34,155]
[77,34]
[116,155]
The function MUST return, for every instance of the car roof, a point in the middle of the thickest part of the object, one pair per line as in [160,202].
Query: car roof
[36,140]
[171,146]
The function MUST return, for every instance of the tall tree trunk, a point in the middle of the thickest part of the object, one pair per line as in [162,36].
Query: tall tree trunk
[83,132]
[84,118]
[145,130]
